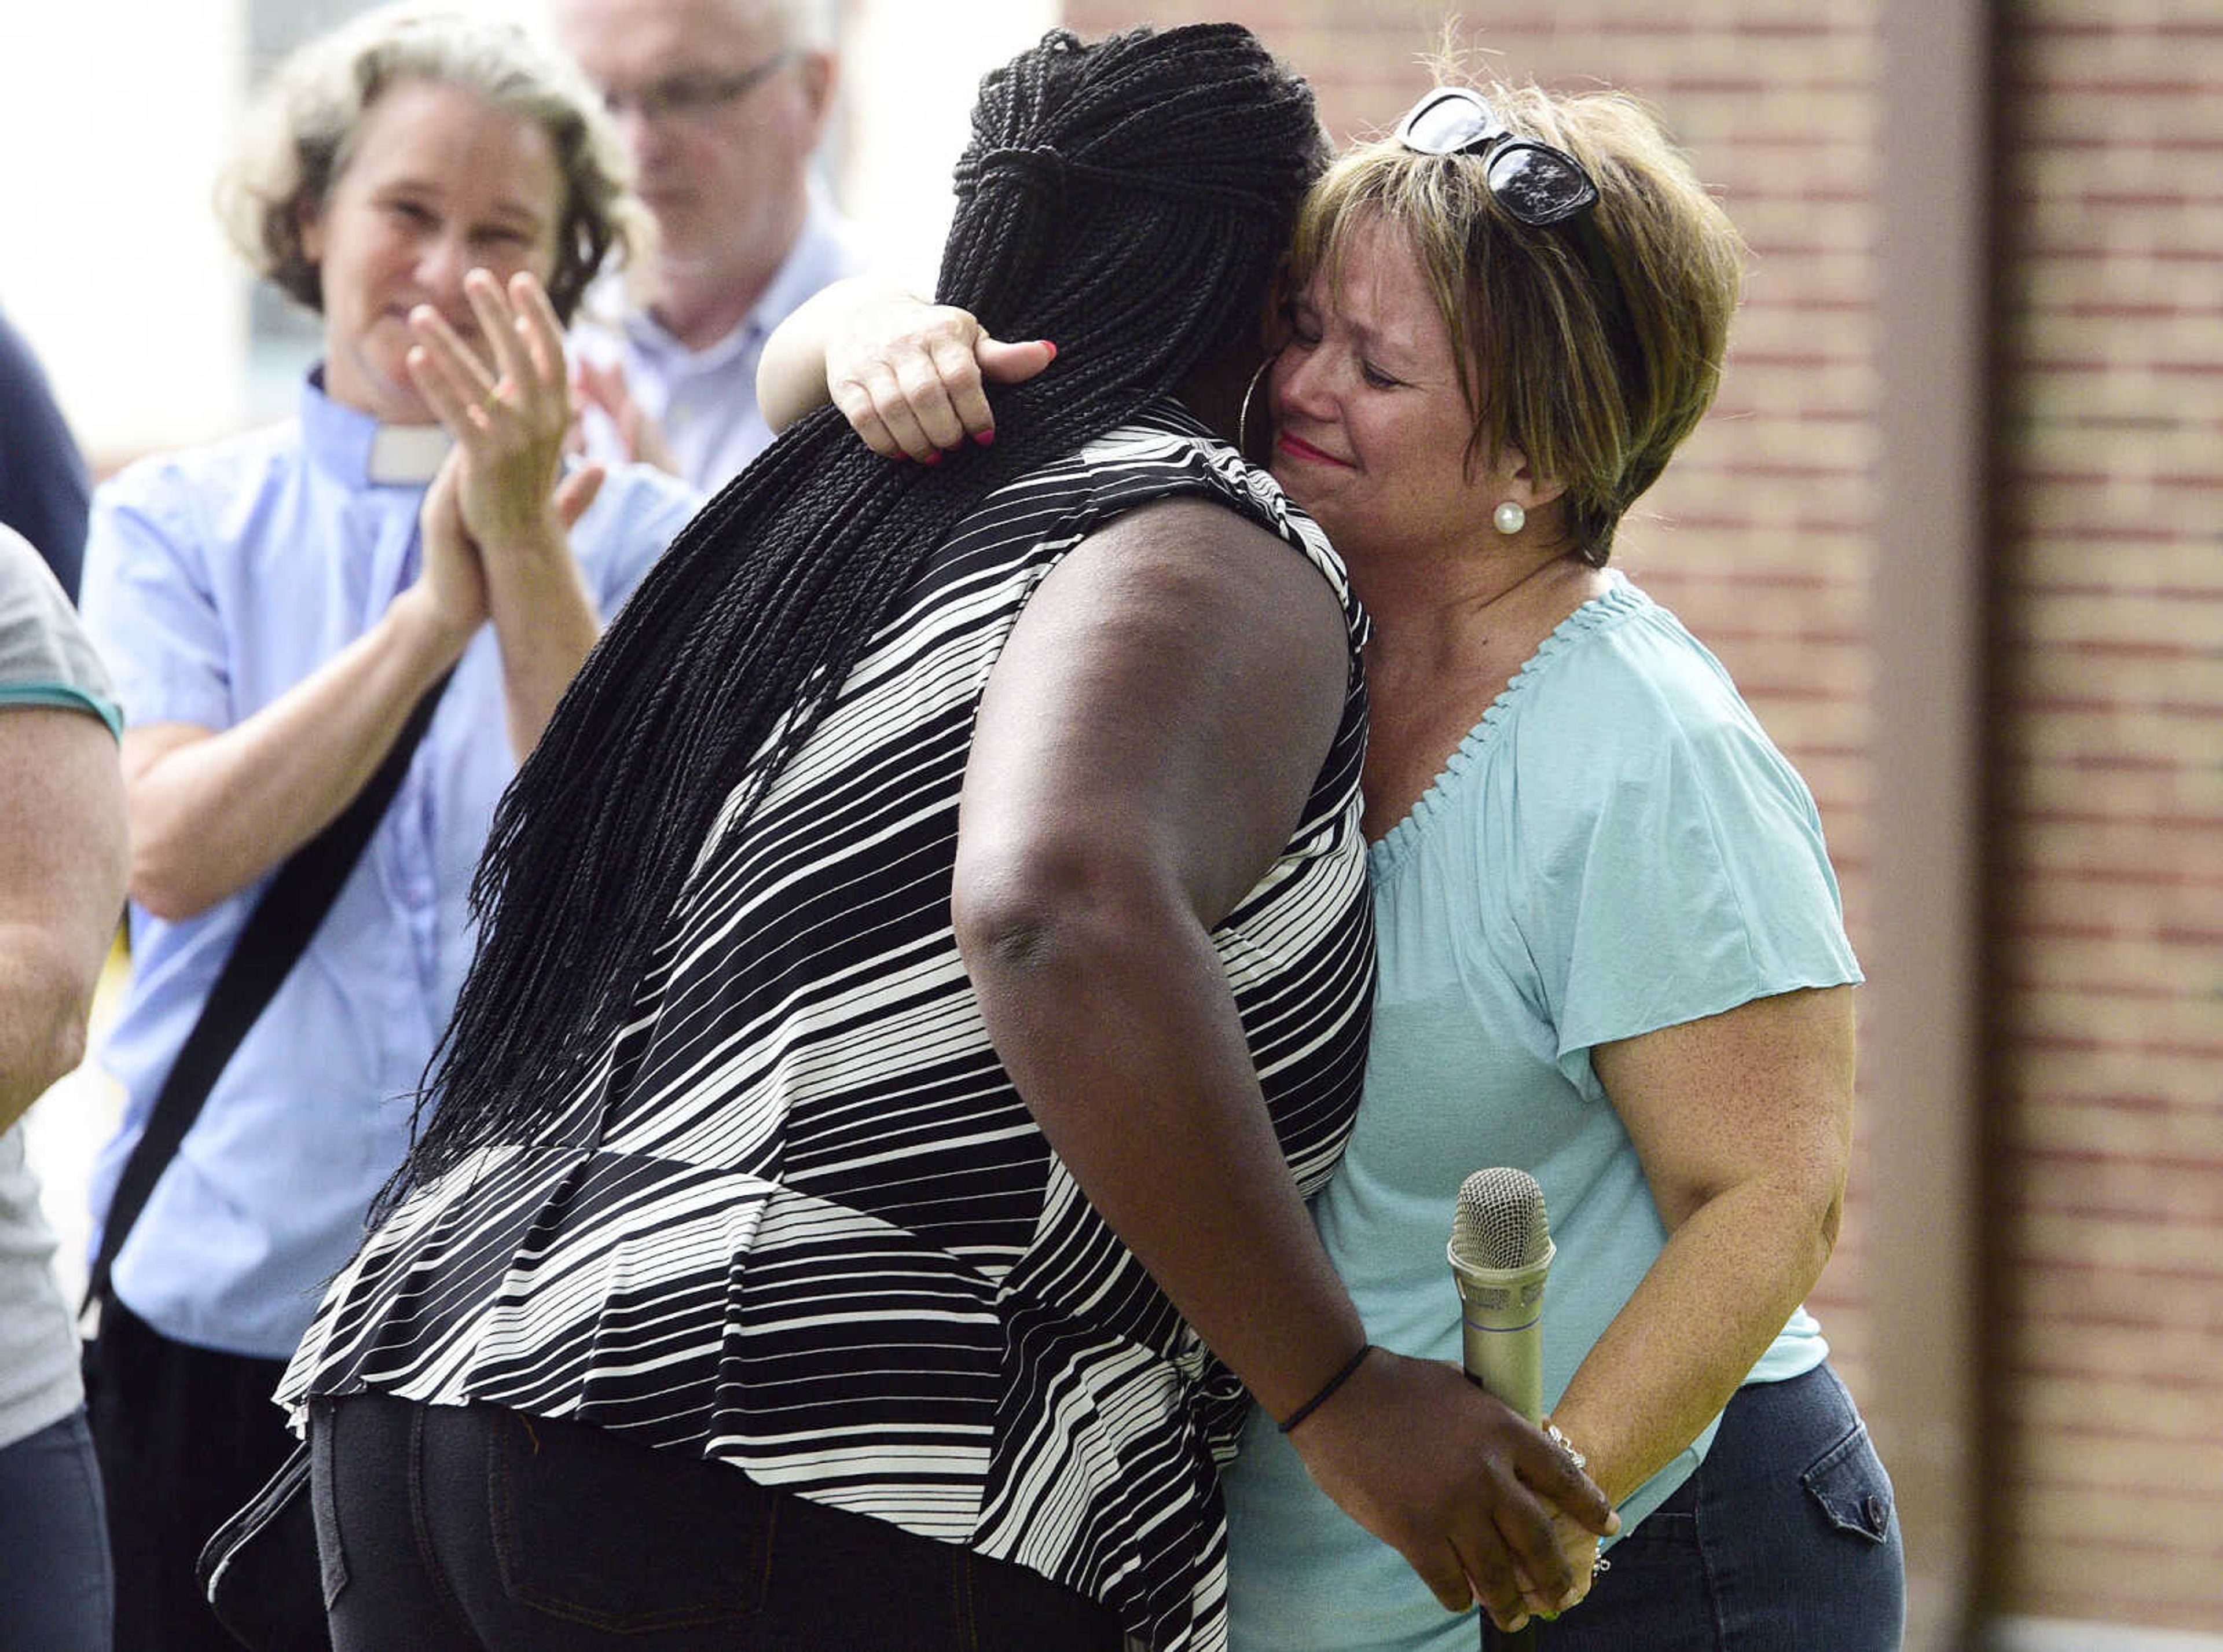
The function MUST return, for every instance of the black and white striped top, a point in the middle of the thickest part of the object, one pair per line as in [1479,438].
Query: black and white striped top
[802,1223]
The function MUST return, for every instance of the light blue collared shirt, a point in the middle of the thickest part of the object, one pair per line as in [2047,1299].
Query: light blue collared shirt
[705,399]
[215,580]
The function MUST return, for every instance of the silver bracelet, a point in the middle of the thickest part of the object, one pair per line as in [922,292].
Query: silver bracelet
[1600,1566]
[1566,1445]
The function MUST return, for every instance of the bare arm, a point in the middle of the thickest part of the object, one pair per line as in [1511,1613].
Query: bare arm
[791,371]
[212,811]
[1743,1123]
[1110,817]
[1141,754]
[910,376]
[62,861]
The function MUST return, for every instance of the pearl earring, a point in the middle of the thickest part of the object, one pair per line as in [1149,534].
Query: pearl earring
[1509,518]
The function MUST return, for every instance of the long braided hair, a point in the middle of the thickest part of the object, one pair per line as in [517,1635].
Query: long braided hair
[1128,199]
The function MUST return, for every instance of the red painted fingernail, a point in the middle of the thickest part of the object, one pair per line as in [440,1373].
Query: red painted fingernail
[934,458]
[1051,347]
[985,438]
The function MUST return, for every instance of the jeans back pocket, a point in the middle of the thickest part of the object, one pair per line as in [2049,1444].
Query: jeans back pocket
[1849,1485]
[594,1529]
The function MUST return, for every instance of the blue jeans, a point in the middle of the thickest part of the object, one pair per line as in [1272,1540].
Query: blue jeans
[57,1592]
[1784,1541]
[472,1528]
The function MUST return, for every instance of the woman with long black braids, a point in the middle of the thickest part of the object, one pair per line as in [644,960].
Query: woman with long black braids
[1612,949]
[923,966]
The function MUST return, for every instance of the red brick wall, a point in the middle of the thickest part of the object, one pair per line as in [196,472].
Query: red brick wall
[1759,534]
[2112,857]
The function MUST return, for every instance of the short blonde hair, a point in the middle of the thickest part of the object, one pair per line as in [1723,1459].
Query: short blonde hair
[302,132]
[1595,393]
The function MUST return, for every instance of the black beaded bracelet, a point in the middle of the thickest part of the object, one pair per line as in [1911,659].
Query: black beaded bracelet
[1328,1388]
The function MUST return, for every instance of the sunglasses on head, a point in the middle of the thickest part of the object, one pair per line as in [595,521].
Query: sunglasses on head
[1537,185]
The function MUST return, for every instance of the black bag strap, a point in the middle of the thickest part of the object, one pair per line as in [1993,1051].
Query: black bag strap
[272,939]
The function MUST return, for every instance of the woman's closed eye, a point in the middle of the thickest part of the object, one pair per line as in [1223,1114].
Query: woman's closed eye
[1304,332]
[505,236]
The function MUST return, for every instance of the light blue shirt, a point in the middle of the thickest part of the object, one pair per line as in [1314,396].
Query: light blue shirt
[706,400]
[1616,848]
[215,580]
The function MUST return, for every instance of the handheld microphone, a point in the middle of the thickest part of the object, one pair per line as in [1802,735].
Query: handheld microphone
[1501,1253]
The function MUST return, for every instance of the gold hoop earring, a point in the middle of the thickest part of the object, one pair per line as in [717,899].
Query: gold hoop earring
[1242,418]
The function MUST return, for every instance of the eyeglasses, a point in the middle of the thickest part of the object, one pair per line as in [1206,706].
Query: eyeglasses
[1537,185]
[695,97]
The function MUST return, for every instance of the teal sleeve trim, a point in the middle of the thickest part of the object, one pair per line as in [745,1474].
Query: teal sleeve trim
[64,697]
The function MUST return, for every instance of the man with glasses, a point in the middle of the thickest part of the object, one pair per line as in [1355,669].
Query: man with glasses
[722,103]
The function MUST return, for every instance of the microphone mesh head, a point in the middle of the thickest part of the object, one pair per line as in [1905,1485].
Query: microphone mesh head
[1500,1221]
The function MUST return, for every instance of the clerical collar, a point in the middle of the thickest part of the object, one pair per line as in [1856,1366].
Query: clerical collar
[407,455]
[363,451]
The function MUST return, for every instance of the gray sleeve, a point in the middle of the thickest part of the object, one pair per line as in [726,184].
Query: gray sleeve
[45,656]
